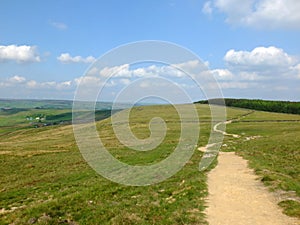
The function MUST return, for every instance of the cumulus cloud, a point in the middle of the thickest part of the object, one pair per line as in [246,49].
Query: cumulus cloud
[52,85]
[20,54]
[17,79]
[269,56]
[32,84]
[124,74]
[263,60]
[22,83]
[267,14]
[116,71]
[243,70]
[174,70]
[13,81]
[88,80]
[124,71]
[112,79]
[222,74]
[265,69]
[67,58]
[118,76]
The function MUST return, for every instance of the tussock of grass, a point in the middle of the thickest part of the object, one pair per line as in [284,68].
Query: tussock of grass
[291,208]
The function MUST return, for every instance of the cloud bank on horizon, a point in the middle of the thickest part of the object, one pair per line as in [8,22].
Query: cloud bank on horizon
[260,71]
[259,68]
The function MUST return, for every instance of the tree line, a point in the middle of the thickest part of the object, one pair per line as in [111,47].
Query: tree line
[257,104]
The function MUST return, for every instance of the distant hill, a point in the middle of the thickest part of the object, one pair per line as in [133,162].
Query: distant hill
[6,104]
[258,104]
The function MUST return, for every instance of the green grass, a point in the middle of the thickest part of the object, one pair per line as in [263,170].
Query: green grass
[19,118]
[27,118]
[45,180]
[291,208]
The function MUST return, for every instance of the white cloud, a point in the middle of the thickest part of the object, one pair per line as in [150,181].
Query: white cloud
[20,54]
[187,65]
[260,56]
[124,71]
[67,58]
[32,84]
[265,69]
[257,68]
[17,79]
[278,13]
[267,14]
[21,83]
[116,71]
[87,80]
[155,71]
[66,83]
[254,75]
[52,85]
[262,61]
[150,71]
[13,81]
[114,78]
[222,74]
[59,25]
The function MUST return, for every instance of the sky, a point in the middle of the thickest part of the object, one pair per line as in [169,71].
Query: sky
[251,47]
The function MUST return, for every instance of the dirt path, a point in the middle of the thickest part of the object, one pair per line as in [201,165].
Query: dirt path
[236,197]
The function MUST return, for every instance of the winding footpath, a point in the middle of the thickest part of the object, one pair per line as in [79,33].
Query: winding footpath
[237,197]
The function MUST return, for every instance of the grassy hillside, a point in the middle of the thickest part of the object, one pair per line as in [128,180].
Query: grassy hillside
[44,177]
[45,180]
[17,118]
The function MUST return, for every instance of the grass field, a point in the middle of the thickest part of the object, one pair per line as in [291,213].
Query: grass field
[45,180]
[22,118]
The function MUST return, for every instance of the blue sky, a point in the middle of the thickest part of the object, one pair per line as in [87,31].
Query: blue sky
[250,46]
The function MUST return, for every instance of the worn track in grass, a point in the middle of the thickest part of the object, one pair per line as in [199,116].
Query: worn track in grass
[237,197]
